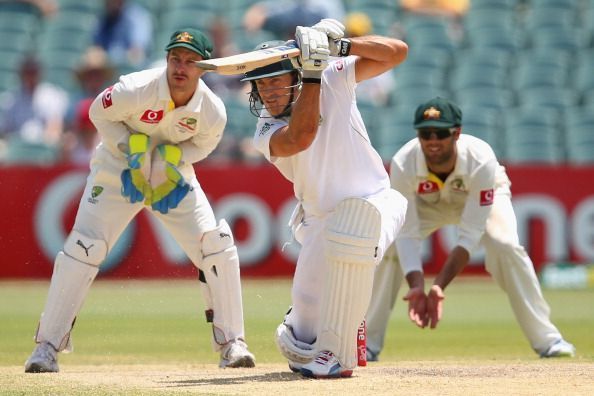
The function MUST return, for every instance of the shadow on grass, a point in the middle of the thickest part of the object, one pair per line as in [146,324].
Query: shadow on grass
[241,379]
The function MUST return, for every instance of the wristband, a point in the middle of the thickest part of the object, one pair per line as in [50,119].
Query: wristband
[310,80]
[344,47]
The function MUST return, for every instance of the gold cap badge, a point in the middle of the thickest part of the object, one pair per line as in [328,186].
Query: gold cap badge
[431,113]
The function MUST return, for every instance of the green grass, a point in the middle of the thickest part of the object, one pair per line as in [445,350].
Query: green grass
[134,322]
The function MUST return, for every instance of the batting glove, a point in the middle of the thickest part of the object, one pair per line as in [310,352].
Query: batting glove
[338,46]
[168,184]
[135,185]
[435,299]
[314,53]
[417,306]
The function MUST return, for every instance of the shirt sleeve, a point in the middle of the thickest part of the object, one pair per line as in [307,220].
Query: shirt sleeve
[408,242]
[478,205]
[108,112]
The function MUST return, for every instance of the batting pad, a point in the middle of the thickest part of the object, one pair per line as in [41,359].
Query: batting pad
[352,237]
[220,265]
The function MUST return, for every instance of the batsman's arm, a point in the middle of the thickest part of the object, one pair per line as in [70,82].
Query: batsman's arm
[377,54]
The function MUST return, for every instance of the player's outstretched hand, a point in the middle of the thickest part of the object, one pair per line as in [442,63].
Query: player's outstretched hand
[314,51]
[435,299]
[417,306]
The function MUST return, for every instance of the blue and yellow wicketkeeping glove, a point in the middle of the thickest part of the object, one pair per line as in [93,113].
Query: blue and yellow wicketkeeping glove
[168,185]
[135,179]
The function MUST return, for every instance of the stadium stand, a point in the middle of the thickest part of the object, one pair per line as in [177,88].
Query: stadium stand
[498,60]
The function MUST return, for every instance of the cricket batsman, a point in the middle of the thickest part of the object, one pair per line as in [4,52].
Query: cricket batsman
[154,125]
[309,127]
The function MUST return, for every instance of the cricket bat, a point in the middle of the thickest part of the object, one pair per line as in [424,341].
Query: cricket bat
[248,61]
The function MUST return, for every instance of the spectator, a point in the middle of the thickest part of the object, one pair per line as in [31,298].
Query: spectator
[375,90]
[125,32]
[447,8]
[79,142]
[281,18]
[94,73]
[36,112]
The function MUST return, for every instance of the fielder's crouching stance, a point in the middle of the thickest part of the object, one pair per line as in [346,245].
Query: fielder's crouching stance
[154,125]
[309,127]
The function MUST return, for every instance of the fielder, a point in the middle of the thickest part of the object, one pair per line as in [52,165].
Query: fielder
[309,127]
[154,125]
[449,178]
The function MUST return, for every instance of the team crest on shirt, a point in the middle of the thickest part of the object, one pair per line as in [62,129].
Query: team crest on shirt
[187,124]
[265,128]
[95,192]
[458,185]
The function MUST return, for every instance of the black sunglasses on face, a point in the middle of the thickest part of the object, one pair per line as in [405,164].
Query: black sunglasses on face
[440,133]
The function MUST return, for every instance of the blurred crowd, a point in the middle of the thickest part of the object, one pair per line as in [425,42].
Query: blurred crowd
[79,48]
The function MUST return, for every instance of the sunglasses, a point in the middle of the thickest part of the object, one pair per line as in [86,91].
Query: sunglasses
[440,133]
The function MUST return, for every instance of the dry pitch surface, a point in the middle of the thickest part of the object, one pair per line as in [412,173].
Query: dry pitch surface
[550,377]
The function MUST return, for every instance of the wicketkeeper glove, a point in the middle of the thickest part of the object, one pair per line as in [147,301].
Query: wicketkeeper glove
[338,45]
[135,179]
[314,53]
[169,186]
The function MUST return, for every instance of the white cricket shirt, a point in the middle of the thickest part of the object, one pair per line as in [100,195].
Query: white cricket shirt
[341,162]
[464,199]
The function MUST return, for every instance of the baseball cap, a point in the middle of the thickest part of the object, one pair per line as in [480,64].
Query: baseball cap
[274,69]
[192,39]
[438,113]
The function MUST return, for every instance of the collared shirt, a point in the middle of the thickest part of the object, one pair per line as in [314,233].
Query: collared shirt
[341,162]
[464,198]
[141,103]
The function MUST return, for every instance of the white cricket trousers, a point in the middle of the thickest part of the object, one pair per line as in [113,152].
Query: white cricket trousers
[505,259]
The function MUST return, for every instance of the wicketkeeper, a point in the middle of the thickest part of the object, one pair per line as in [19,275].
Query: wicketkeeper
[154,125]
[453,178]
[309,127]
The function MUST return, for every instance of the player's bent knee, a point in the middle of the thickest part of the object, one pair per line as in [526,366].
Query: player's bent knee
[85,249]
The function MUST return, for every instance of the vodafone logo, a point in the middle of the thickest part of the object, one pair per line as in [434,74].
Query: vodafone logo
[427,187]
[486,197]
[152,116]
[106,97]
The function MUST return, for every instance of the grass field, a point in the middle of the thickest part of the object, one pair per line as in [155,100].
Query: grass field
[128,329]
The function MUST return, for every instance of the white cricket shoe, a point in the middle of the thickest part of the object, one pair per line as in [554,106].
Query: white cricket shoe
[235,354]
[43,359]
[560,348]
[325,365]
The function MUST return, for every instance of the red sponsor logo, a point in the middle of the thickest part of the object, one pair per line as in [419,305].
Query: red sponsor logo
[427,187]
[152,116]
[487,197]
[106,97]
[339,65]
